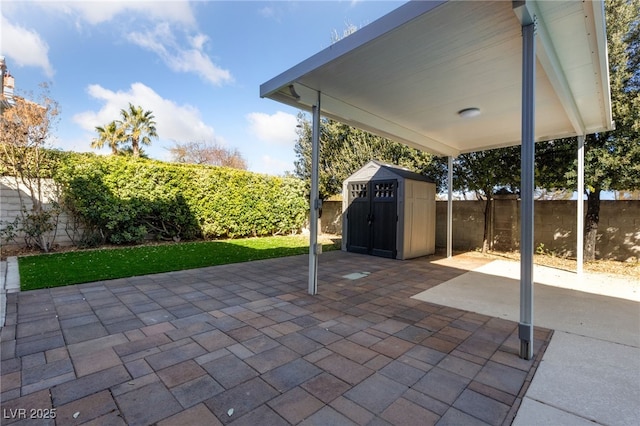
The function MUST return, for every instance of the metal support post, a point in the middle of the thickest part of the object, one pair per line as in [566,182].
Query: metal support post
[449,206]
[525,329]
[580,212]
[314,202]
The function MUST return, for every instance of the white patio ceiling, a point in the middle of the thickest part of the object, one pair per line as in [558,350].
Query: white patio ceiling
[406,75]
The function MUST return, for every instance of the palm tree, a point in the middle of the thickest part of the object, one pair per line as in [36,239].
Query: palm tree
[112,134]
[139,127]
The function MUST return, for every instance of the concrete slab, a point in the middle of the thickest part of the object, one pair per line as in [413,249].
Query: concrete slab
[494,290]
[590,371]
[9,283]
[586,378]
[602,284]
[3,292]
[12,283]
[356,275]
[533,412]
[3,274]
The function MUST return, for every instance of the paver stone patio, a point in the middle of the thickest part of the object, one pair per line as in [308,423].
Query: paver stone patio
[245,344]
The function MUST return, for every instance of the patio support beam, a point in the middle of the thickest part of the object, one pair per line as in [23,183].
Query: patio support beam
[525,329]
[314,201]
[449,206]
[580,208]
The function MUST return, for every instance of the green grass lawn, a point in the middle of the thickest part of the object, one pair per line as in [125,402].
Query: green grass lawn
[59,269]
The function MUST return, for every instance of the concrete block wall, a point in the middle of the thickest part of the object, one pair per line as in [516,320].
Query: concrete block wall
[554,226]
[468,224]
[505,224]
[331,219]
[619,229]
[11,206]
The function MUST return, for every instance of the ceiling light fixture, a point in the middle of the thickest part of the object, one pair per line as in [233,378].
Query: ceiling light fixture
[469,112]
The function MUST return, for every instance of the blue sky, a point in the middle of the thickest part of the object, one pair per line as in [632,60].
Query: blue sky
[196,65]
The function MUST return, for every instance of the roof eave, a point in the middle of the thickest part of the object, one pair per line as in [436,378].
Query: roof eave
[603,61]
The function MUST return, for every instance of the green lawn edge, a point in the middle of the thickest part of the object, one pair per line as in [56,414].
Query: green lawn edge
[77,267]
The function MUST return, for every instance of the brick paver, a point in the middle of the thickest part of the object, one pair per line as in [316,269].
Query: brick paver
[245,344]
[296,405]
[376,393]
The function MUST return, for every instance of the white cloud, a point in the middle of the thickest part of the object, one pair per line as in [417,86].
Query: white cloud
[173,122]
[25,47]
[96,12]
[267,12]
[278,128]
[162,41]
[198,41]
[272,166]
[187,54]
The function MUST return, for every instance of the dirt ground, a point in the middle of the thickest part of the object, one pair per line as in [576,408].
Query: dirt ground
[600,266]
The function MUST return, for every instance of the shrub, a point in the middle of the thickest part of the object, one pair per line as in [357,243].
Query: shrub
[124,200]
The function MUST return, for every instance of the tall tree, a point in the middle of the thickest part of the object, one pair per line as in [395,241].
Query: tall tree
[344,150]
[112,135]
[203,152]
[482,173]
[138,126]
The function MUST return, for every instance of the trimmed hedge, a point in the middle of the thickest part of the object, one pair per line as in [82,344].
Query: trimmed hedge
[125,200]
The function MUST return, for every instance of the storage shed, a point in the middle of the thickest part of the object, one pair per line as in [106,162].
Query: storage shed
[389,211]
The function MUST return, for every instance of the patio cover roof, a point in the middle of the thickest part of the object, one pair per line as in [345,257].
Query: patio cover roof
[406,75]
[409,74]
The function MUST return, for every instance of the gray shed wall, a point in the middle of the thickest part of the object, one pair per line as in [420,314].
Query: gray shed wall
[416,211]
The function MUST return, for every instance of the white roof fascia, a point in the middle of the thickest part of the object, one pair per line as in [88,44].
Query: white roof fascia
[600,24]
[527,11]
[548,58]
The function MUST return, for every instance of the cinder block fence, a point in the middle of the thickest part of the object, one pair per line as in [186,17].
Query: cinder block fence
[11,205]
[554,227]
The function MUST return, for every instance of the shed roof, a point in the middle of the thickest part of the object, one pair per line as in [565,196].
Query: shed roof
[407,75]
[399,171]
